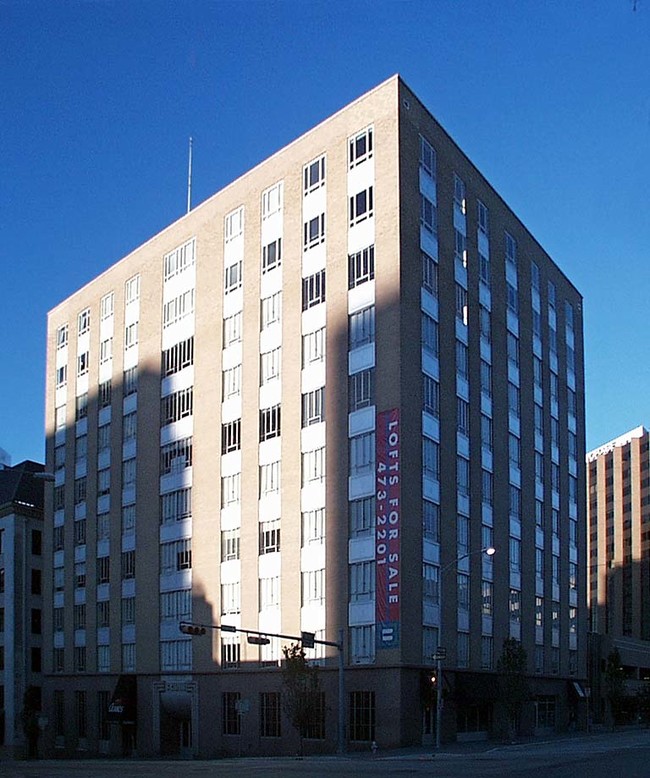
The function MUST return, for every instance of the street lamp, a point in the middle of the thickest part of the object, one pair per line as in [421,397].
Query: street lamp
[441,651]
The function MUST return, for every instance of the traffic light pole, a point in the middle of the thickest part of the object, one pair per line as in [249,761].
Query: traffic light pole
[306,639]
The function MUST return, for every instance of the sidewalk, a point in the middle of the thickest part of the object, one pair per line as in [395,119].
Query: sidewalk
[464,749]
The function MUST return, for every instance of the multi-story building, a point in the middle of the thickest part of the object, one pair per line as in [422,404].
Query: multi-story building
[21,604]
[618,544]
[306,406]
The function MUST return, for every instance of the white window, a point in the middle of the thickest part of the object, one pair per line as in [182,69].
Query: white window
[361,327]
[270,362]
[460,247]
[429,334]
[361,267]
[128,519]
[362,454]
[313,526]
[128,657]
[103,437]
[59,417]
[460,193]
[272,200]
[361,390]
[230,542]
[176,406]
[483,218]
[176,456]
[233,277]
[105,351]
[511,249]
[269,591]
[427,158]
[232,329]
[103,659]
[178,356]
[106,305]
[178,308]
[231,436]
[129,426]
[175,605]
[128,472]
[83,362]
[362,517]
[131,335]
[428,215]
[270,309]
[83,322]
[314,175]
[61,376]
[230,490]
[232,382]
[313,587]
[313,407]
[361,206]
[175,655]
[230,598]
[176,506]
[132,290]
[269,540]
[314,232]
[269,479]
[176,556]
[272,255]
[461,304]
[313,347]
[362,644]
[430,458]
[362,581]
[62,336]
[360,147]
[430,583]
[313,466]
[179,259]
[234,224]
[270,426]
[313,290]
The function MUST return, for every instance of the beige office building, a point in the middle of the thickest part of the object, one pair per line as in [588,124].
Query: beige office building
[304,407]
[618,544]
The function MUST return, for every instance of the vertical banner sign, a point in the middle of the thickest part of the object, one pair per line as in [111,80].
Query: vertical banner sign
[387,530]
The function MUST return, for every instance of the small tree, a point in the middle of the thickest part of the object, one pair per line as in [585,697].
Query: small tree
[301,683]
[614,683]
[513,683]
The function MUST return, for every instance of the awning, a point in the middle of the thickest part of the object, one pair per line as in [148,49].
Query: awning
[124,702]
[476,688]
[177,703]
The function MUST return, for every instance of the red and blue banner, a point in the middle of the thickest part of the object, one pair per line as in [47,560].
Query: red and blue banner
[387,530]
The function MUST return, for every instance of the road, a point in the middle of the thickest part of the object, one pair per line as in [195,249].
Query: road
[596,756]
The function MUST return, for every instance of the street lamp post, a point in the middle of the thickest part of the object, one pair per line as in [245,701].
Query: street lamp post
[441,651]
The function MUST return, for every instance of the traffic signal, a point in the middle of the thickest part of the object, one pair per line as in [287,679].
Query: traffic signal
[191,629]
[258,640]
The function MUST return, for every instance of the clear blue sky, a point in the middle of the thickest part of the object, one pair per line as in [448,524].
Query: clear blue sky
[551,100]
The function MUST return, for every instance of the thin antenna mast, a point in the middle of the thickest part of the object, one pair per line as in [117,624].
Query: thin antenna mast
[189,179]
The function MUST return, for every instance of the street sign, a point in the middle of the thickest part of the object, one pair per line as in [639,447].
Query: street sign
[307,639]
[440,653]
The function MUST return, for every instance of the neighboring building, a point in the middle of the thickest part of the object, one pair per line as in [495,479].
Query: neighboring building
[357,335]
[21,602]
[618,511]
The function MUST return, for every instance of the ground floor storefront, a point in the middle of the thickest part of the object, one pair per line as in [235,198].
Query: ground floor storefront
[244,713]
